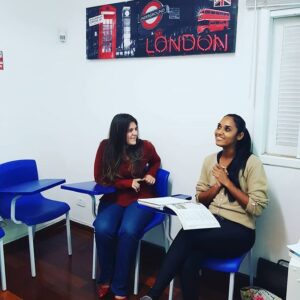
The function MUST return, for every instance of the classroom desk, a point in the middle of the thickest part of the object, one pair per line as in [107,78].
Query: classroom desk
[31,187]
[28,188]
[90,188]
[293,284]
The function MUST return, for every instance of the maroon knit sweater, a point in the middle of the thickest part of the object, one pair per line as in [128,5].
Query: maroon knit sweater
[125,194]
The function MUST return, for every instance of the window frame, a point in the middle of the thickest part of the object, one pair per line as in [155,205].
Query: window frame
[265,18]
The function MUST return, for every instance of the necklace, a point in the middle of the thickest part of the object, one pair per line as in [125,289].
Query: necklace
[224,163]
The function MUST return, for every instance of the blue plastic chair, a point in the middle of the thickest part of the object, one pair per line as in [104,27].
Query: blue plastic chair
[231,266]
[228,265]
[22,202]
[161,188]
[2,263]
[92,189]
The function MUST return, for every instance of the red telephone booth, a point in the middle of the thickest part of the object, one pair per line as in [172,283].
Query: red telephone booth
[1,60]
[107,32]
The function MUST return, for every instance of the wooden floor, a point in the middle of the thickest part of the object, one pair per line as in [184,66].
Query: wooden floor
[61,277]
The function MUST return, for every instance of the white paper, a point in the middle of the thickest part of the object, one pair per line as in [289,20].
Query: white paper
[295,248]
[194,215]
[161,202]
[191,215]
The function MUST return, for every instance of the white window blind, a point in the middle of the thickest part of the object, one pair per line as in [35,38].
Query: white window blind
[272,3]
[284,110]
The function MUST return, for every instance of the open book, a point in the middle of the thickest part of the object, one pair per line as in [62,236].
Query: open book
[191,215]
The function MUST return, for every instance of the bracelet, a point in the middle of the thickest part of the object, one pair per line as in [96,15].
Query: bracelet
[217,185]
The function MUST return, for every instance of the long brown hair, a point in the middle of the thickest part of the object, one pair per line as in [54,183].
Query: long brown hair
[117,149]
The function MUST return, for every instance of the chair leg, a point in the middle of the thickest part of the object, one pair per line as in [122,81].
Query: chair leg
[168,241]
[167,230]
[171,288]
[94,267]
[31,251]
[69,234]
[231,286]
[137,269]
[3,274]
[250,267]
[33,231]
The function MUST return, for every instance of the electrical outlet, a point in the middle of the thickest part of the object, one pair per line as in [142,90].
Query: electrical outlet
[81,203]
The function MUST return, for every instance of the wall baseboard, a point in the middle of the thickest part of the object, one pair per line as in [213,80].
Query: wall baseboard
[15,232]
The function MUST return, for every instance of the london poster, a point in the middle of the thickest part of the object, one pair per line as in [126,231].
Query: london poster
[152,28]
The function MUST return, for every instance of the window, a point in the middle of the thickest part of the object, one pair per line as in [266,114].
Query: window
[277,101]
[272,3]
[284,103]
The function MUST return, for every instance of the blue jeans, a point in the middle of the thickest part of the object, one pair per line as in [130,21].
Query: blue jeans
[118,230]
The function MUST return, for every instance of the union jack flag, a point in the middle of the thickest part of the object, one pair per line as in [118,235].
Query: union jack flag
[222,3]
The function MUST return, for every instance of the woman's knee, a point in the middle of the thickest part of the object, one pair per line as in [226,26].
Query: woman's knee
[103,229]
[132,229]
[192,264]
[130,232]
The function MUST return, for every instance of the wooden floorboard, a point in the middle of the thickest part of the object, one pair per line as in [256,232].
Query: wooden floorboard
[7,295]
[63,277]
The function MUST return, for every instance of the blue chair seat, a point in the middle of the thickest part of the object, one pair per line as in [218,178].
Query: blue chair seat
[35,209]
[227,265]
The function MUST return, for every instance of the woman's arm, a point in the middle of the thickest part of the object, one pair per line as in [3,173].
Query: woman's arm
[153,162]
[256,186]
[255,199]
[98,163]
[207,187]
[207,196]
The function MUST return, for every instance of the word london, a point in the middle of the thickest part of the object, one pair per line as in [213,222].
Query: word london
[187,43]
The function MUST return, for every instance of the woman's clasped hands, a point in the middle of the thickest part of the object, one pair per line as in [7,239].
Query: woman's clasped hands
[221,174]
[136,183]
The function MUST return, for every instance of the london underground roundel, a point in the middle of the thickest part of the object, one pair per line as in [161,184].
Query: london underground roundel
[151,16]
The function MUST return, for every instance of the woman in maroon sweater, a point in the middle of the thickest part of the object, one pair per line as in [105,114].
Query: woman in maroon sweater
[130,165]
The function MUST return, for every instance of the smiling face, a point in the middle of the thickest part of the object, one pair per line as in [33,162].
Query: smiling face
[226,133]
[132,134]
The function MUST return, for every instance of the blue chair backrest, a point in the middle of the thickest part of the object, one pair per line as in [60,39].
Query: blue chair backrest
[161,183]
[17,171]
[12,173]
[2,233]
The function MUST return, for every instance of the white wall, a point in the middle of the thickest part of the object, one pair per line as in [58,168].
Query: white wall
[56,106]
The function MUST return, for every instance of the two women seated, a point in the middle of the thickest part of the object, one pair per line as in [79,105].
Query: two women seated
[232,185]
